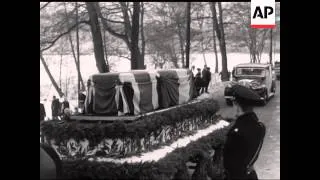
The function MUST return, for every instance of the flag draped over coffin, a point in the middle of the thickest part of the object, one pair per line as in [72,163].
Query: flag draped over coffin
[175,86]
[114,94]
[138,91]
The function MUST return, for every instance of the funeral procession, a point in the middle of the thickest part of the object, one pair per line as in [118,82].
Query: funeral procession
[159,90]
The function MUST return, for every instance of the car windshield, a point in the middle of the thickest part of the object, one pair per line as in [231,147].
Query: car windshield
[250,72]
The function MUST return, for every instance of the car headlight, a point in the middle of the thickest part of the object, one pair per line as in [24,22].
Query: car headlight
[258,86]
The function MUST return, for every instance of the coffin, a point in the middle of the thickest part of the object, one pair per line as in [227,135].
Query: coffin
[175,86]
[113,94]
[138,91]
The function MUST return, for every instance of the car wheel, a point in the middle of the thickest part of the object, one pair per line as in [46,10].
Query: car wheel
[265,98]
[229,102]
[273,87]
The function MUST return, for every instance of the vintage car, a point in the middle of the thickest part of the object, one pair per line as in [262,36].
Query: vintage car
[277,69]
[258,77]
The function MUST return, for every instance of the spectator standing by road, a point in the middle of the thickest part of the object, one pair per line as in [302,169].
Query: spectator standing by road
[193,70]
[198,82]
[55,108]
[65,104]
[42,112]
[206,77]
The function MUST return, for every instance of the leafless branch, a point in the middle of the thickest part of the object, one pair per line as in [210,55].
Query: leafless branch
[127,57]
[103,18]
[44,6]
[127,21]
[110,30]
[110,9]
[60,35]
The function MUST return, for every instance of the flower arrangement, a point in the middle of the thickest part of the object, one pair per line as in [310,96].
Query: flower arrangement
[172,166]
[118,139]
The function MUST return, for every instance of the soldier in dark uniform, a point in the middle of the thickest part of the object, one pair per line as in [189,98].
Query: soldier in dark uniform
[42,112]
[245,138]
[55,108]
[198,82]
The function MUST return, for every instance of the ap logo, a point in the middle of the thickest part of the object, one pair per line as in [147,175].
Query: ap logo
[263,14]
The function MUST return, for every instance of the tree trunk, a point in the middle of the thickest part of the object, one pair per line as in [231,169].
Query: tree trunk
[261,44]
[103,29]
[104,39]
[173,56]
[181,42]
[96,37]
[203,52]
[216,70]
[220,34]
[188,34]
[127,25]
[75,59]
[60,70]
[66,85]
[72,47]
[136,62]
[78,53]
[54,83]
[254,38]
[105,49]
[143,42]
[225,74]
[200,23]
[270,53]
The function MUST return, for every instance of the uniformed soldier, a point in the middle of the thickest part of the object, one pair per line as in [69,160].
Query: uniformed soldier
[245,138]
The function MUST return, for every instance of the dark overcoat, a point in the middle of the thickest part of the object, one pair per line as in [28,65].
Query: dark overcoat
[42,112]
[244,142]
[55,107]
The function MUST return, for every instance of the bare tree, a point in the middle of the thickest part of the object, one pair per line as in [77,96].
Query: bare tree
[220,33]
[241,34]
[128,29]
[188,33]
[199,14]
[163,42]
[136,62]
[143,42]
[54,83]
[270,50]
[76,60]
[96,37]
[216,70]
[177,15]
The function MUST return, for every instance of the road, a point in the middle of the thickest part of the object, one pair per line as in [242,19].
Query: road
[268,163]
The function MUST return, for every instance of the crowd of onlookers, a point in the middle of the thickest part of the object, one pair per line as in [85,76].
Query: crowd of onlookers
[61,110]
[201,79]
[58,109]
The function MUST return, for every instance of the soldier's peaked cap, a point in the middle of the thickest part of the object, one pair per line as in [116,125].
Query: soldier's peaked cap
[245,95]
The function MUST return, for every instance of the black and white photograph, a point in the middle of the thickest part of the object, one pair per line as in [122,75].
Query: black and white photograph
[160,90]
